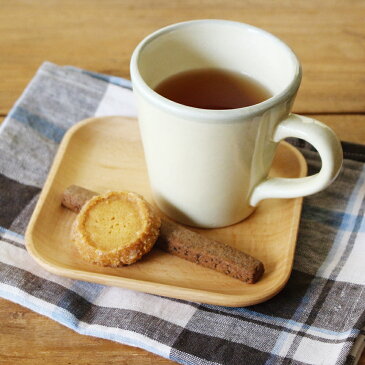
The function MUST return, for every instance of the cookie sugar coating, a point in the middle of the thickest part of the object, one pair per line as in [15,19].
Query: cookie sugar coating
[116,228]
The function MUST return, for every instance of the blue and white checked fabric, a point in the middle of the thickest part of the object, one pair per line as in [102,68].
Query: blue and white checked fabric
[316,319]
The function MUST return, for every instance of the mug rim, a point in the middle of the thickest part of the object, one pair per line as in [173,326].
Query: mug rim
[212,115]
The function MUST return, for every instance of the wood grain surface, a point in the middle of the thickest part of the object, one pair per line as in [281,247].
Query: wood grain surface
[328,36]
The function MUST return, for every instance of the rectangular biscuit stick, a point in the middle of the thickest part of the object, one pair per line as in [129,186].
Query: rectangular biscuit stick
[189,245]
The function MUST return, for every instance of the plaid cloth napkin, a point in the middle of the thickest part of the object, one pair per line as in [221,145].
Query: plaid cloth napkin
[317,318]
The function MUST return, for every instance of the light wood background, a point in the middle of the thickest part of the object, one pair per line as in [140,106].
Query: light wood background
[328,36]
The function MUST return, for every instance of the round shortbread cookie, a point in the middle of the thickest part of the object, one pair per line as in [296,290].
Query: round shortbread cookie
[116,228]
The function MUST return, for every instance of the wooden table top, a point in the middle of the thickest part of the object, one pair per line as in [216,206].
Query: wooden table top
[328,37]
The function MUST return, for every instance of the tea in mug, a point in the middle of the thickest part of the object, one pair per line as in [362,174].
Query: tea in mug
[213,88]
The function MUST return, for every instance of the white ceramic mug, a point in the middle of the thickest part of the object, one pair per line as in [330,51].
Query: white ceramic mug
[209,168]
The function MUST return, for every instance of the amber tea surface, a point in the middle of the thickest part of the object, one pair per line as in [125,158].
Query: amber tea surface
[213,88]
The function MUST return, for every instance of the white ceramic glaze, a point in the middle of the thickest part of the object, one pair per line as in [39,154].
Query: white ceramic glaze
[209,168]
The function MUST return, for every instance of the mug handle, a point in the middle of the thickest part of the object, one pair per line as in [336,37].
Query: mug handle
[329,148]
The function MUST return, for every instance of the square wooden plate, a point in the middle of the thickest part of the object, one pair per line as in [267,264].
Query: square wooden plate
[106,154]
